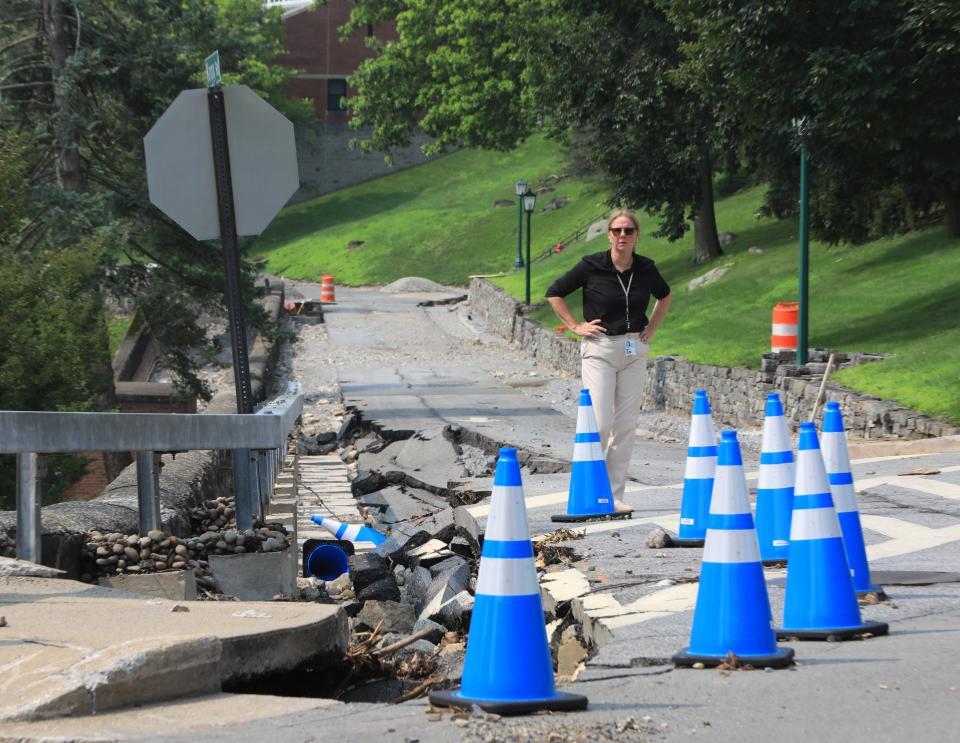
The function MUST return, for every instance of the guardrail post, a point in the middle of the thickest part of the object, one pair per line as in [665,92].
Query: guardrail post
[263,480]
[148,490]
[242,491]
[28,507]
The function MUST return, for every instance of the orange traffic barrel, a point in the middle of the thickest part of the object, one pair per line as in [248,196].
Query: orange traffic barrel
[327,293]
[783,336]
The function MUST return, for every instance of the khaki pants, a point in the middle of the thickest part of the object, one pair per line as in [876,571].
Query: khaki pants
[615,381]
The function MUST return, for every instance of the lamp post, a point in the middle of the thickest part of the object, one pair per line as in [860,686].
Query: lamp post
[803,318]
[520,187]
[529,203]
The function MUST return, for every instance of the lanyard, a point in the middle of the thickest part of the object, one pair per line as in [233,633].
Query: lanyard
[626,295]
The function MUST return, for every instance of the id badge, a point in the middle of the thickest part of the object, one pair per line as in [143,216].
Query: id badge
[631,347]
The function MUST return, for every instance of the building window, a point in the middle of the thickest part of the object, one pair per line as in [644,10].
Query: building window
[336,90]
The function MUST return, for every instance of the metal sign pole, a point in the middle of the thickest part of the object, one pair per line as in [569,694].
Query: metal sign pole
[231,250]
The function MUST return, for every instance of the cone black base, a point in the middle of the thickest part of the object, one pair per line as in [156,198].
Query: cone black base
[779,563]
[687,542]
[780,659]
[560,702]
[565,518]
[843,633]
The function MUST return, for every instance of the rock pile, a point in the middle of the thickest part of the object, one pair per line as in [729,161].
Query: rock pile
[415,594]
[215,533]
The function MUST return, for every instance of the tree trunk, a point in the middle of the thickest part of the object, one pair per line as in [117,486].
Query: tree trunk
[69,165]
[951,202]
[706,242]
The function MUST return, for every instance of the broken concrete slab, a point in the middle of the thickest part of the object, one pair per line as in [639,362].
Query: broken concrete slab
[432,456]
[58,667]
[367,568]
[383,589]
[453,613]
[406,504]
[176,585]
[560,587]
[429,553]
[11,568]
[255,576]
[387,616]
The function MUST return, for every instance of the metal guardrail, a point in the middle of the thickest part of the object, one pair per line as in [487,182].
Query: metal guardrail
[257,444]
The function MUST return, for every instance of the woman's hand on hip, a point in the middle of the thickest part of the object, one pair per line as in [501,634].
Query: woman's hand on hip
[592,329]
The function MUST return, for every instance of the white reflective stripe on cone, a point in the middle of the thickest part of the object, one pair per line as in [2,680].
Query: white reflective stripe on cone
[352,532]
[835,455]
[776,475]
[505,576]
[729,491]
[783,329]
[844,498]
[701,431]
[586,420]
[587,451]
[811,476]
[775,436]
[731,545]
[508,521]
[700,468]
[813,523]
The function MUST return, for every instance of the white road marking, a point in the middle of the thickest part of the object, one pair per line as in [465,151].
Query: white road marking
[683,597]
[928,485]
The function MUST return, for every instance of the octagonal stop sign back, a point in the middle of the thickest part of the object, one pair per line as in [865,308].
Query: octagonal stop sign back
[263,162]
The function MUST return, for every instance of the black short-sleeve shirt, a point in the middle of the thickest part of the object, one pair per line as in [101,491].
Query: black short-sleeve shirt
[603,295]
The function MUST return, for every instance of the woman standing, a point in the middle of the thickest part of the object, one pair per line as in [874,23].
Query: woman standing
[617,285]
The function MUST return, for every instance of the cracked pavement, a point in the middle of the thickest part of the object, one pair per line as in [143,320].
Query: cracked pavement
[412,368]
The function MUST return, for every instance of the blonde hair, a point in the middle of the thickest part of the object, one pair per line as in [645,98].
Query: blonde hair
[624,213]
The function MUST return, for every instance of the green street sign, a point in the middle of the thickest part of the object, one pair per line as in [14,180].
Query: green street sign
[213,69]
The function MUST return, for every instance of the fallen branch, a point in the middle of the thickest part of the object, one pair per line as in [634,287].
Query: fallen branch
[823,384]
[402,643]
[418,690]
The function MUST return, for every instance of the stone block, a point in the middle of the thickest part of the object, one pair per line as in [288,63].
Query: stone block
[367,568]
[384,589]
[176,585]
[255,576]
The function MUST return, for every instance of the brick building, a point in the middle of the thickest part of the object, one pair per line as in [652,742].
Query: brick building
[324,61]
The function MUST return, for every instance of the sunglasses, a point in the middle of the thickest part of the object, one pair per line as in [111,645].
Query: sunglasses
[623,230]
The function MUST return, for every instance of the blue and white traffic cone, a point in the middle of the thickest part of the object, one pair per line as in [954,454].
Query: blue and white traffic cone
[698,476]
[590,497]
[508,669]
[836,458]
[351,532]
[820,601]
[775,484]
[733,609]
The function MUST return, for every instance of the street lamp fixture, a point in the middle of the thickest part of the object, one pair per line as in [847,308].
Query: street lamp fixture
[520,188]
[529,200]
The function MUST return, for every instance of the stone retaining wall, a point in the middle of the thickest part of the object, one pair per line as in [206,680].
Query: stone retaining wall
[737,394]
[185,479]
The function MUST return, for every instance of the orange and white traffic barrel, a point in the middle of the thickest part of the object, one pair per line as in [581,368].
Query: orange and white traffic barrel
[783,336]
[327,293]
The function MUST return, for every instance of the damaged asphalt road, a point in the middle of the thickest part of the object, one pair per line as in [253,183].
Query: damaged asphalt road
[428,398]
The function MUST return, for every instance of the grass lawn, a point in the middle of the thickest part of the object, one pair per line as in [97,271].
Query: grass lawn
[896,296]
[117,326]
[436,220]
